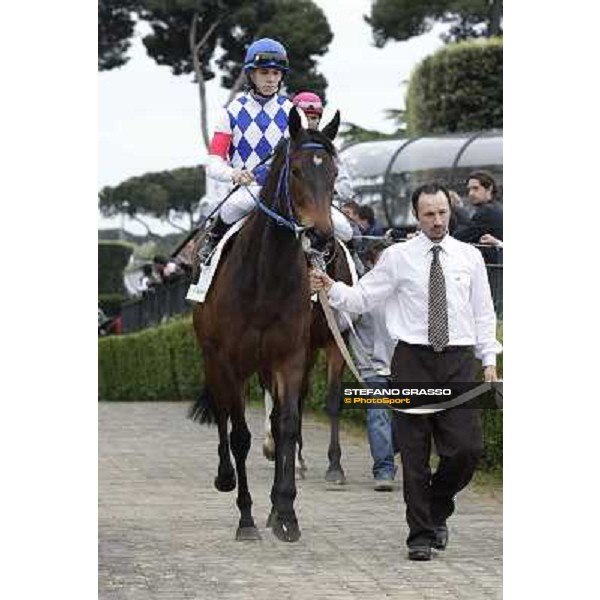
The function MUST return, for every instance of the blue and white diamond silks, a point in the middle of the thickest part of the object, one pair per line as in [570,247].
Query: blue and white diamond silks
[256,128]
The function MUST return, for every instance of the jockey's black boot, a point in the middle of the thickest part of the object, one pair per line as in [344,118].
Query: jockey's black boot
[217,231]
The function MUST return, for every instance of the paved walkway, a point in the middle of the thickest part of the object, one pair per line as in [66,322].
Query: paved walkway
[165,533]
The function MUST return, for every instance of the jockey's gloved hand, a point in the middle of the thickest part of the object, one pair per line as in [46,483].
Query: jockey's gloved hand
[240,177]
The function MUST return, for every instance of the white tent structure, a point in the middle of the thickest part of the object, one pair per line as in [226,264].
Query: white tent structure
[384,173]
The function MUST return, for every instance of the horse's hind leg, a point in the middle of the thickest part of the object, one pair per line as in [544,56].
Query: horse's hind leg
[215,390]
[301,463]
[240,446]
[269,443]
[335,368]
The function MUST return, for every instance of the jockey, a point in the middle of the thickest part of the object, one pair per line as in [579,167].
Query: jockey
[247,131]
[312,106]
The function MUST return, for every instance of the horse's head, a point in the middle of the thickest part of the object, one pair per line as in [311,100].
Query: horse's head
[312,174]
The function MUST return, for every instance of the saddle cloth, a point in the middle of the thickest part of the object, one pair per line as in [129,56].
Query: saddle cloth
[197,291]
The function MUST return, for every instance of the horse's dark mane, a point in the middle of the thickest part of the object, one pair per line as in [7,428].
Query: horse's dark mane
[269,191]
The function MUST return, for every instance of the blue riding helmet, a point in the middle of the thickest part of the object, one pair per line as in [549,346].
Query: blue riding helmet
[266,53]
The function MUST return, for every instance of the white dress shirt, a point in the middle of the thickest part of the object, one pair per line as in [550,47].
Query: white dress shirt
[401,280]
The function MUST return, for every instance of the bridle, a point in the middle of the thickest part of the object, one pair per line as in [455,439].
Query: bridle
[283,191]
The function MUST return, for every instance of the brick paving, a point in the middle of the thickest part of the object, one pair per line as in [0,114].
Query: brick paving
[165,533]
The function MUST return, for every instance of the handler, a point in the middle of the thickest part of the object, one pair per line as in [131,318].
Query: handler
[439,309]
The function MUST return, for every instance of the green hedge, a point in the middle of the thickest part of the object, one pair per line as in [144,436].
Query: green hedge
[155,364]
[165,363]
[457,89]
[112,260]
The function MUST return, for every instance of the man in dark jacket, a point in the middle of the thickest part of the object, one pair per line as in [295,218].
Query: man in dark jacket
[368,223]
[459,215]
[482,191]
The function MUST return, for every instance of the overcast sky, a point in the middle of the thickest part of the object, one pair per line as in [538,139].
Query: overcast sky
[148,118]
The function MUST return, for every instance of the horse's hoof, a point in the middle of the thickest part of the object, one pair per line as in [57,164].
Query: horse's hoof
[225,483]
[247,534]
[269,450]
[336,476]
[286,531]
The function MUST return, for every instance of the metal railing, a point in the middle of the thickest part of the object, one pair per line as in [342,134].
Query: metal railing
[156,305]
[168,299]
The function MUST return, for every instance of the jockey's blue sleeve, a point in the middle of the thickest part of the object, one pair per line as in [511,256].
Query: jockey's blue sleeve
[260,174]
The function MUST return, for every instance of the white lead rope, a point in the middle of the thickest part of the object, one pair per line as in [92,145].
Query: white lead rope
[337,336]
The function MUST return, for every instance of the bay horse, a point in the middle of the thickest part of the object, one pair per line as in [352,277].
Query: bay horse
[256,319]
[321,338]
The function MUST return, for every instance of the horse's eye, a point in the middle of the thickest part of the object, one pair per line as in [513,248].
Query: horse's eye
[296,172]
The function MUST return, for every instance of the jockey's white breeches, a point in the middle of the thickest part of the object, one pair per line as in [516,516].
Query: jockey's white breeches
[240,203]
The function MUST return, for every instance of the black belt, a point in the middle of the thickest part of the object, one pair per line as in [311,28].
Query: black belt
[448,349]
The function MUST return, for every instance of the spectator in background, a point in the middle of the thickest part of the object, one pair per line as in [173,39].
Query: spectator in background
[487,218]
[186,257]
[103,322]
[108,325]
[397,234]
[459,216]
[373,349]
[168,270]
[356,245]
[369,227]
[490,240]
[367,222]
[350,209]
[147,280]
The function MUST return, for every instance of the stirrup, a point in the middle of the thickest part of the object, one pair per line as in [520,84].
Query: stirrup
[218,230]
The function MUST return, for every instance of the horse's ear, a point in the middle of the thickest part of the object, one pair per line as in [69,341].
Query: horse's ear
[331,129]
[294,122]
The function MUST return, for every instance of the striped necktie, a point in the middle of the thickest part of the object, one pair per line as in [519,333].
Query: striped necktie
[438,306]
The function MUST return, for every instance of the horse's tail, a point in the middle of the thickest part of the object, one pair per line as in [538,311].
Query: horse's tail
[203,411]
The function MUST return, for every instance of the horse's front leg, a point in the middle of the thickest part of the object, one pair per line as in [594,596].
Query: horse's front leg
[285,424]
[240,446]
[335,368]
